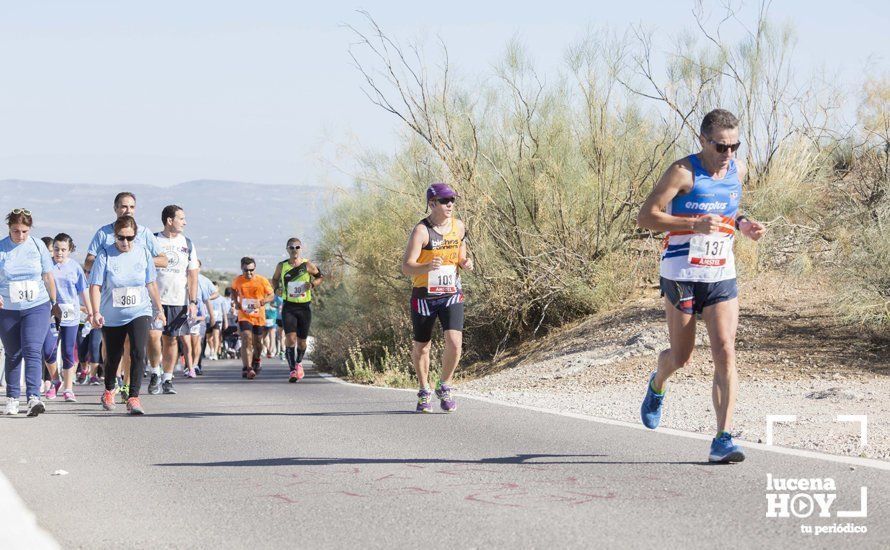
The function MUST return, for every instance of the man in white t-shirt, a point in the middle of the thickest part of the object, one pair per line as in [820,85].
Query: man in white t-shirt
[178,287]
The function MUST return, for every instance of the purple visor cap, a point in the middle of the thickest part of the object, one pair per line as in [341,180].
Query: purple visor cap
[439,191]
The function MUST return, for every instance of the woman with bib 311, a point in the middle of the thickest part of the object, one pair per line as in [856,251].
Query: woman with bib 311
[27,297]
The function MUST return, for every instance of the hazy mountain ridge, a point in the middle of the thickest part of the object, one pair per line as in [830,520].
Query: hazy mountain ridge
[226,219]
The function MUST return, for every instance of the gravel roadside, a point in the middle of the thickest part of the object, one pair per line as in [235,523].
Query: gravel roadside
[793,356]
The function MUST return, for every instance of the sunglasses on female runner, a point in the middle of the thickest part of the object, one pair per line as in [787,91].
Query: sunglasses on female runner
[123,238]
[724,147]
[292,247]
[24,211]
[449,200]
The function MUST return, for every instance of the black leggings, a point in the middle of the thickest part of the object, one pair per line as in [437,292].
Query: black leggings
[137,330]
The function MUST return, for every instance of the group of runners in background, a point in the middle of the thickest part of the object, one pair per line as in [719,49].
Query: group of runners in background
[138,306]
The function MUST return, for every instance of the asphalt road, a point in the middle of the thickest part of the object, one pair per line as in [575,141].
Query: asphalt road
[229,463]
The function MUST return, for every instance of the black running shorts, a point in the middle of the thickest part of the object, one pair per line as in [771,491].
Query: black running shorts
[449,310]
[247,326]
[296,318]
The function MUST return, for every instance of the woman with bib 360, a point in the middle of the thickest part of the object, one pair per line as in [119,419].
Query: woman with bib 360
[27,296]
[125,300]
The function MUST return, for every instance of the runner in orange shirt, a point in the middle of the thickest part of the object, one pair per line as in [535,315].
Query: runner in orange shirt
[250,294]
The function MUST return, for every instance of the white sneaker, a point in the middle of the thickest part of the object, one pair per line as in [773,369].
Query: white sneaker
[35,406]
[12,406]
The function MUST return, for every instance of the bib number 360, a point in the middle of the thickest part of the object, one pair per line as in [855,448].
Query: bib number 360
[709,250]
[442,280]
[127,296]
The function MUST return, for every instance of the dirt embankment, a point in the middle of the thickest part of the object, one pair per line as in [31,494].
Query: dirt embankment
[794,358]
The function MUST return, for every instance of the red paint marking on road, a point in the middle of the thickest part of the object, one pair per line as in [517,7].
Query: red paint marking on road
[532,467]
[422,491]
[475,498]
[284,498]
[391,476]
[347,493]
[447,473]
[609,495]
[415,466]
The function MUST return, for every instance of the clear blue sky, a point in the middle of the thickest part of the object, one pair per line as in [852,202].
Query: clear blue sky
[161,92]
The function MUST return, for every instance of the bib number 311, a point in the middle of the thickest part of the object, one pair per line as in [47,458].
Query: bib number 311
[22,291]
[442,280]
[709,250]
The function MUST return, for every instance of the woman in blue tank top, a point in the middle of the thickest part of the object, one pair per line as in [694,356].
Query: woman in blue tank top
[697,203]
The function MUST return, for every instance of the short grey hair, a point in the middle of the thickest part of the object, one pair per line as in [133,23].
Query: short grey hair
[718,119]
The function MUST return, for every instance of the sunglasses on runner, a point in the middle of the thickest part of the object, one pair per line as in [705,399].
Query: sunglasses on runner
[449,200]
[292,247]
[724,147]
[24,211]
[123,238]
[248,270]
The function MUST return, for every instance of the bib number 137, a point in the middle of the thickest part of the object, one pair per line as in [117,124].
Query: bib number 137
[709,250]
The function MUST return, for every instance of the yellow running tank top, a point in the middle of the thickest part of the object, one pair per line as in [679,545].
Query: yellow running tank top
[446,279]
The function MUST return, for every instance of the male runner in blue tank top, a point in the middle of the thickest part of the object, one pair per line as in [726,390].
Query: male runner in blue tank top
[697,202]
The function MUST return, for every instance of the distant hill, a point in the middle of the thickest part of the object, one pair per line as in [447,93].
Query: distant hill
[226,219]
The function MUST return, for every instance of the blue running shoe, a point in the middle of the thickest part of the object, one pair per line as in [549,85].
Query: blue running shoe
[723,450]
[650,412]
